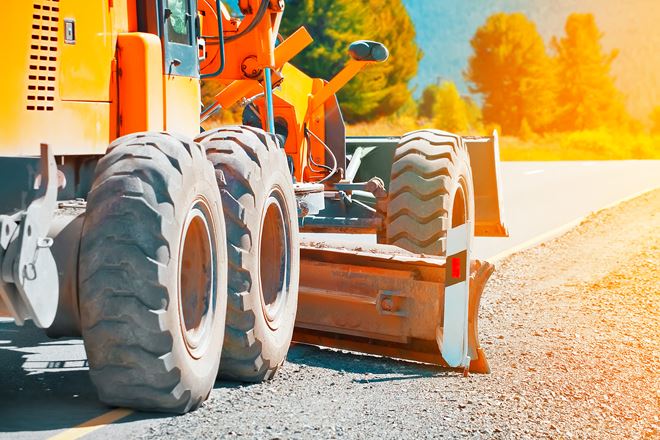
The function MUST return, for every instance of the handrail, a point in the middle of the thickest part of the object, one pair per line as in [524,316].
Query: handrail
[221,42]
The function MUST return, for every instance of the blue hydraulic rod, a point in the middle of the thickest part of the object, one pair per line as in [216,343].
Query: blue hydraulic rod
[268,90]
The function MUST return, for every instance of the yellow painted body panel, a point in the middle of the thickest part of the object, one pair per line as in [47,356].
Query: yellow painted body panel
[85,65]
[141,83]
[70,95]
[295,89]
[75,128]
[292,103]
[31,108]
[316,125]
[182,105]
[13,88]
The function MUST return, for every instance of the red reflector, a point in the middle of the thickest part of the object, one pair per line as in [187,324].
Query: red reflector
[455,267]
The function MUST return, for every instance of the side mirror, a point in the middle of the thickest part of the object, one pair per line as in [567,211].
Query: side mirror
[365,50]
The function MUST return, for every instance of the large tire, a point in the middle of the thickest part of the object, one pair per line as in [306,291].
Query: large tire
[263,250]
[430,191]
[153,275]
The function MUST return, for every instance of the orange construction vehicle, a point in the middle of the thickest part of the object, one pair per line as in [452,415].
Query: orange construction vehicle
[174,251]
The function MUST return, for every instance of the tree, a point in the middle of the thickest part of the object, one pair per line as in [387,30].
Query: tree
[408,109]
[587,97]
[655,120]
[332,24]
[380,89]
[474,115]
[511,69]
[450,109]
[427,101]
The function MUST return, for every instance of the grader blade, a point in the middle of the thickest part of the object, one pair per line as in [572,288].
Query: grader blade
[485,163]
[382,300]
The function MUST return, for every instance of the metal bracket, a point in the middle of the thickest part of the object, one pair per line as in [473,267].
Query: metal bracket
[30,286]
[310,198]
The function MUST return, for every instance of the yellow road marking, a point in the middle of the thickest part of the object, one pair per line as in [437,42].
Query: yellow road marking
[92,425]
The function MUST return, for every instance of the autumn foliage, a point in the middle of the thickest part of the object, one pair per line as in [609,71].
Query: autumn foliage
[587,98]
[526,89]
[512,71]
[655,121]
[558,102]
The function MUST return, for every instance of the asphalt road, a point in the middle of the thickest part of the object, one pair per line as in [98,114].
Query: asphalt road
[542,196]
[44,388]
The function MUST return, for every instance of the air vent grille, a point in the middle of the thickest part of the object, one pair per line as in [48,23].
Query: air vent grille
[42,73]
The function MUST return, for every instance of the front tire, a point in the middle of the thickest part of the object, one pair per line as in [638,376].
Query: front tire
[263,250]
[430,191]
[153,275]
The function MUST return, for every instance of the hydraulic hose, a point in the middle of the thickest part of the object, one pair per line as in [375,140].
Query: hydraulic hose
[332,171]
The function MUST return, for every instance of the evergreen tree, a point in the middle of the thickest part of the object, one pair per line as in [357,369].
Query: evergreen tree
[333,25]
[379,90]
[511,69]
[450,109]
[587,97]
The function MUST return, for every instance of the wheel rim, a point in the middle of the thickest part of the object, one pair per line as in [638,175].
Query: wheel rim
[197,279]
[459,210]
[274,258]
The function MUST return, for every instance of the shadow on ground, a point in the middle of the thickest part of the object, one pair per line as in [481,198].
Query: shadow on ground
[44,383]
[45,386]
[378,369]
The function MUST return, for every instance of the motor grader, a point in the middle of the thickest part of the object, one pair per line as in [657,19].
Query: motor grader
[175,251]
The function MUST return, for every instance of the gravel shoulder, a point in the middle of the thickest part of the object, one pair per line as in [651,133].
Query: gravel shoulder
[571,331]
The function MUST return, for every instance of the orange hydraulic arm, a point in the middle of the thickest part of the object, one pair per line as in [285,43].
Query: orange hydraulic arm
[248,87]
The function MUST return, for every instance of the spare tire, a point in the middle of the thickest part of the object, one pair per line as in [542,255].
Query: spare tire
[430,191]
[263,250]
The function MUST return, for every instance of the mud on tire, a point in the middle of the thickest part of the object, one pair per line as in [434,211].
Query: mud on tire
[263,250]
[153,274]
[430,191]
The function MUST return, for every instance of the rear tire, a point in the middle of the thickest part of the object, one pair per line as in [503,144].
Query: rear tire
[263,250]
[153,275]
[430,192]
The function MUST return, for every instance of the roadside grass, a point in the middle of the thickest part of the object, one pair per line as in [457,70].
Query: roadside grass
[387,127]
[580,145]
